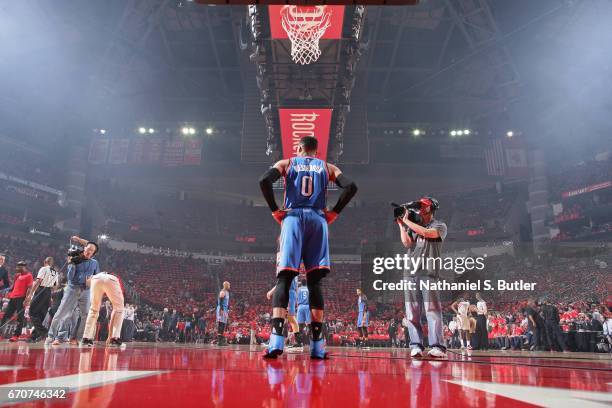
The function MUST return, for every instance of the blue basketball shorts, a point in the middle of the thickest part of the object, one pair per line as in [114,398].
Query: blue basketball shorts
[303,239]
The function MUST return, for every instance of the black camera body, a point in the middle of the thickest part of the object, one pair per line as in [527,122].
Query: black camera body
[411,208]
[75,253]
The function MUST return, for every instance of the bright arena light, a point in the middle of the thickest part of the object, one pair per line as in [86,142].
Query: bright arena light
[192,131]
[209,131]
[142,130]
[185,130]
[453,133]
[103,131]
[151,130]
[103,237]
[416,132]
[466,131]
[509,133]
[460,133]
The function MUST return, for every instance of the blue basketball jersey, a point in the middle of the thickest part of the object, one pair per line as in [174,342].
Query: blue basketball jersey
[306,183]
[362,304]
[302,295]
[223,302]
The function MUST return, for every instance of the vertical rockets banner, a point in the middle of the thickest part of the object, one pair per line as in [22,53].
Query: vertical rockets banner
[297,123]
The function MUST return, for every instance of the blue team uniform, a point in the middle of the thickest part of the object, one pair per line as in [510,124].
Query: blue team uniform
[292,297]
[304,230]
[223,308]
[363,318]
[303,315]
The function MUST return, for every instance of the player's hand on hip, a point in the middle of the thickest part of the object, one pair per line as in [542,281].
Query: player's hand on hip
[279,215]
[330,216]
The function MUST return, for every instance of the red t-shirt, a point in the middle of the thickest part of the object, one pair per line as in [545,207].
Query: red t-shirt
[21,285]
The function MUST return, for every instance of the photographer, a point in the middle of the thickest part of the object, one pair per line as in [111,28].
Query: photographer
[81,268]
[423,239]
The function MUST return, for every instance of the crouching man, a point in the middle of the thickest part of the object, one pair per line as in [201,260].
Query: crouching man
[110,285]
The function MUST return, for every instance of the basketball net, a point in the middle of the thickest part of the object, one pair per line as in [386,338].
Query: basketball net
[305,26]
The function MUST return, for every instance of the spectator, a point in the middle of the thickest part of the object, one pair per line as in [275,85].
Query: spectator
[554,336]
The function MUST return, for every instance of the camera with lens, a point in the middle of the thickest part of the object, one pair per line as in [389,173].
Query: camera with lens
[75,253]
[411,208]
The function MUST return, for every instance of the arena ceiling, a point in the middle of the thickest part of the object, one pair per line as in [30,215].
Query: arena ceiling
[120,62]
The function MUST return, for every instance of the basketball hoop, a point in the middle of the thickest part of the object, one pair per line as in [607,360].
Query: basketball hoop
[305,26]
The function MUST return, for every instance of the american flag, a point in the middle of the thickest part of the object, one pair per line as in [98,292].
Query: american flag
[494,157]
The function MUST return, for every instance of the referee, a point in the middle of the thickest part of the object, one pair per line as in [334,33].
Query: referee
[482,335]
[38,298]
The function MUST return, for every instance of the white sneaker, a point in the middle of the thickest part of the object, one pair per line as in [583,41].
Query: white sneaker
[416,352]
[294,349]
[437,352]
[48,340]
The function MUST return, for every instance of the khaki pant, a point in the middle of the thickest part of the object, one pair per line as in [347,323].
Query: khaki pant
[101,284]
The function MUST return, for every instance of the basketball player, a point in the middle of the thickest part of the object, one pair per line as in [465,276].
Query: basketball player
[222,312]
[304,220]
[461,308]
[110,285]
[363,319]
[291,313]
[303,310]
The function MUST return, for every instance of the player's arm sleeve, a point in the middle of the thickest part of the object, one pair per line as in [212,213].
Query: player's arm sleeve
[349,189]
[266,182]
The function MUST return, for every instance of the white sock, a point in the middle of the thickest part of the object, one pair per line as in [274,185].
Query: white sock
[468,342]
[462,345]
